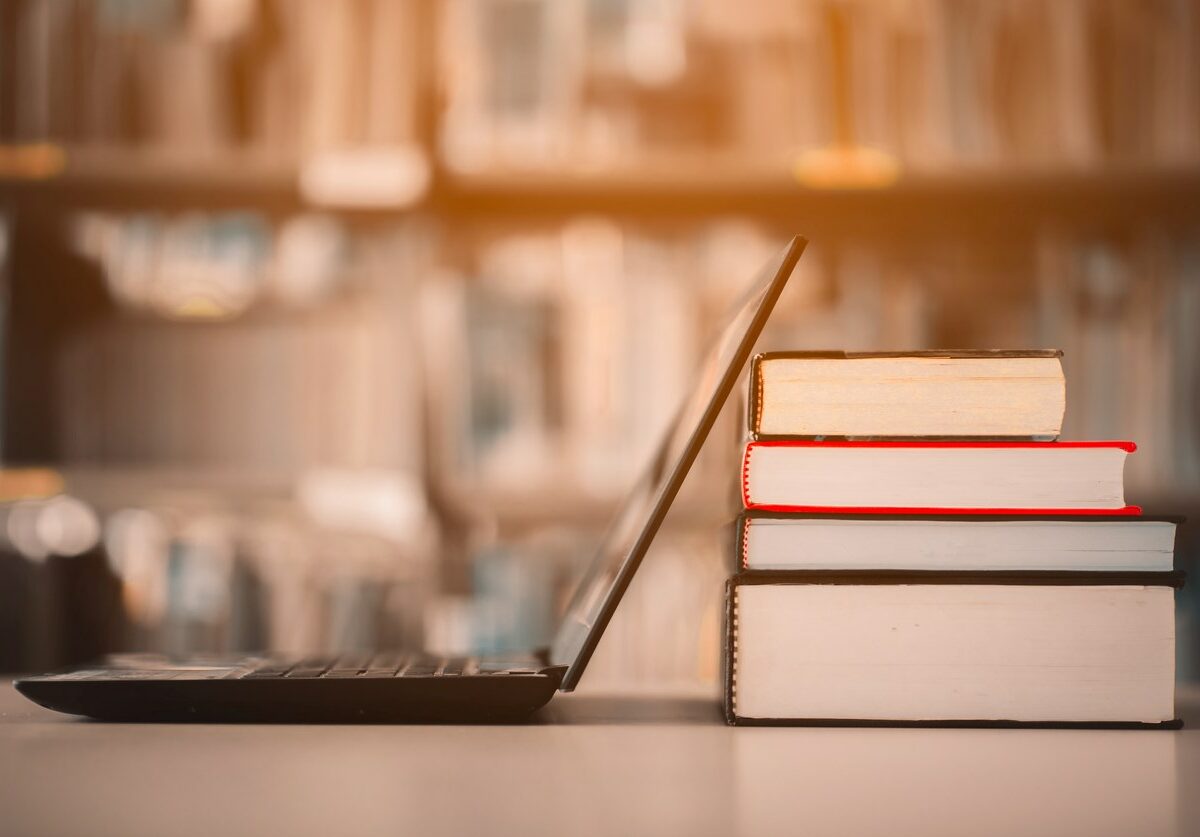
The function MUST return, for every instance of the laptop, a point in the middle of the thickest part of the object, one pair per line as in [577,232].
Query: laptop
[420,687]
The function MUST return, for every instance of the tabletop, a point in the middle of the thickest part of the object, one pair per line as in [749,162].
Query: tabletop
[659,765]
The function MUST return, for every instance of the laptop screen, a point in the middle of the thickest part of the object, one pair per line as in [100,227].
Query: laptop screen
[642,512]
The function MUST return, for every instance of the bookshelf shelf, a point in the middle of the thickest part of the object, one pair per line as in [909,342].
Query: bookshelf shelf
[124,179]
[130,179]
[974,197]
[522,511]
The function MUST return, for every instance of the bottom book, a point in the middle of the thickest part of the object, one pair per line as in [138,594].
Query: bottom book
[951,649]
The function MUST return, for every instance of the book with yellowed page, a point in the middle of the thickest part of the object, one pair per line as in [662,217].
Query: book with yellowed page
[1018,395]
[898,648]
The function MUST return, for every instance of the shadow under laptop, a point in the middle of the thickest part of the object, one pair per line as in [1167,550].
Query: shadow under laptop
[572,711]
[625,710]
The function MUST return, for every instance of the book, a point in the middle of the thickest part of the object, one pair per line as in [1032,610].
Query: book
[936,648]
[963,542]
[995,394]
[936,477]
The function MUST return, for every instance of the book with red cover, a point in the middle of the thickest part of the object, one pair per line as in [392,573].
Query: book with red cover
[943,478]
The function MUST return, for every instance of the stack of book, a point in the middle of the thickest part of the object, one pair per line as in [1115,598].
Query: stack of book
[918,549]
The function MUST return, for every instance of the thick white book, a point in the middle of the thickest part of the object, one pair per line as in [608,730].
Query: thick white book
[768,541]
[966,648]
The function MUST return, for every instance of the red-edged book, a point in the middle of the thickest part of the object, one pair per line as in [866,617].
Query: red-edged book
[1055,478]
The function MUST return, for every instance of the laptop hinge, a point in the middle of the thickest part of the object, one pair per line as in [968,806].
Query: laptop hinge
[548,668]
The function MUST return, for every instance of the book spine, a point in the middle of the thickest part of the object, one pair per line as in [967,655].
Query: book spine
[729,660]
[755,401]
[743,544]
[746,499]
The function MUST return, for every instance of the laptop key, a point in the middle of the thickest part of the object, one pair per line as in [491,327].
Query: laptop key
[351,665]
[454,666]
[421,670]
[386,665]
[309,668]
[509,666]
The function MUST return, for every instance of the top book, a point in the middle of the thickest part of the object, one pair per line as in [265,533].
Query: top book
[886,395]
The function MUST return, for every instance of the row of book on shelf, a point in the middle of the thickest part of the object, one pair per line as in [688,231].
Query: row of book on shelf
[528,327]
[918,548]
[196,572]
[544,355]
[204,77]
[934,83]
[538,82]
[95,561]
[539,352]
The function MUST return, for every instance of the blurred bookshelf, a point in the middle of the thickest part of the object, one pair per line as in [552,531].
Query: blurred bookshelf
[129,179]
[453,260]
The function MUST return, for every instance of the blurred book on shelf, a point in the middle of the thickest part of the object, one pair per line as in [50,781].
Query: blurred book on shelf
[1124,310]
[177,377]
[933,85]
[564,348]
[518,374]
[206,77]
[820,88]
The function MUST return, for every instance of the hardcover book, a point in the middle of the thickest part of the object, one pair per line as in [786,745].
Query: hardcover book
[951,649]
[775,541]
[949,395]
[937,477]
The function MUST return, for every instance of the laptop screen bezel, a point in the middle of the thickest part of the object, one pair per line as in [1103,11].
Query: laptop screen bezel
[666,494]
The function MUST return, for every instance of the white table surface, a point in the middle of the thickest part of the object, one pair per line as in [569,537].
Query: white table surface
[590,765]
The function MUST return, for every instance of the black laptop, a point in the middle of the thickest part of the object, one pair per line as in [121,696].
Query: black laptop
[397,687]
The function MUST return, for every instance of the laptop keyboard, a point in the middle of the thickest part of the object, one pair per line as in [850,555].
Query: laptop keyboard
[345,667]
[389,665]
[379,665]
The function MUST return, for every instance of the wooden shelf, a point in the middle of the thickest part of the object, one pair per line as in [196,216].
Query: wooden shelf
[684,188]
[131,180]
[1021,197]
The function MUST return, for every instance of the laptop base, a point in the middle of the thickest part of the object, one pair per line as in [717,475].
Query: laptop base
[186,695]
